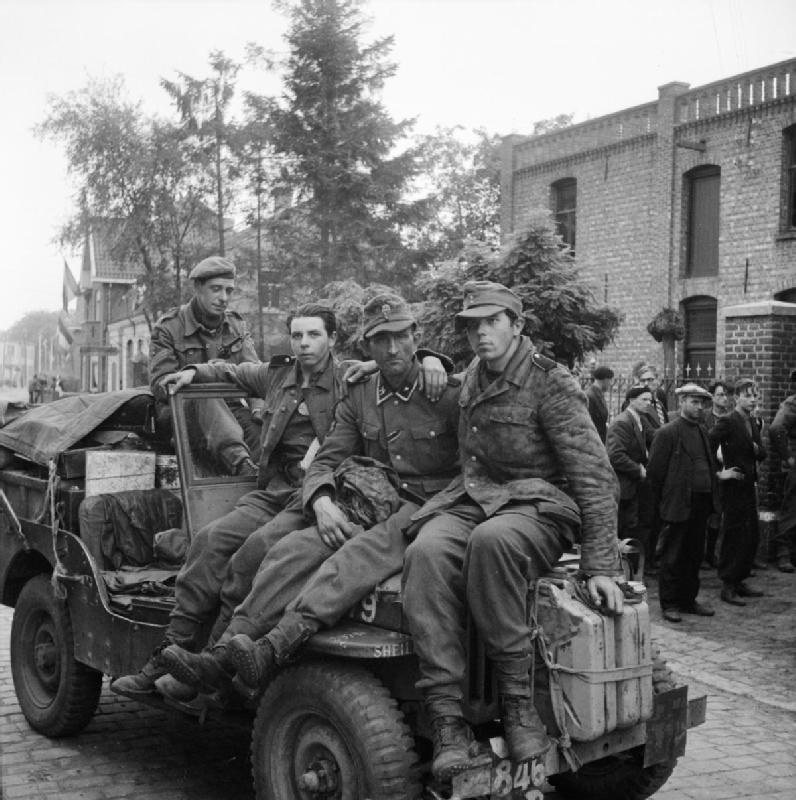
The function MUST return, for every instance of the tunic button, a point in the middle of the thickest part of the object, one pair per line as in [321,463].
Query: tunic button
[398,457]
[475,429]
[404,485]
[471,484]
[432,434]
[395,402]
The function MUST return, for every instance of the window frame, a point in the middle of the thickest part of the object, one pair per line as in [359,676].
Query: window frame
[565,214]
[699,236]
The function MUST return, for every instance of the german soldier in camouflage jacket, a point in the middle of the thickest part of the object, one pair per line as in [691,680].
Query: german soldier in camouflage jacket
[535,478]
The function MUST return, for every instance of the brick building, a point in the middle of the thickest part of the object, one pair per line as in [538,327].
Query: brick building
[689,203]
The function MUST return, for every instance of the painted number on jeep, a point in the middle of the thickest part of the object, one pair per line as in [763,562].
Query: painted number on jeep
[368,607]
[522,779]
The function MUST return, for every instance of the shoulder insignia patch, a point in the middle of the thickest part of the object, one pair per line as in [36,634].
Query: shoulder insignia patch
[282,360]
[543,362]
[170,314]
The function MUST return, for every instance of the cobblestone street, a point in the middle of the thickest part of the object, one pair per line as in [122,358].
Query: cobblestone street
[743,658]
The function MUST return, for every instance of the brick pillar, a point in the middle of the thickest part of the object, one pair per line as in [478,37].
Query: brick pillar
[760,343]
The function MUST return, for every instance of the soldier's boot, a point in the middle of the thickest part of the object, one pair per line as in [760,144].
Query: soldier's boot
[256,662]
[208,671]
[453,746]
[524,732]
[143,681]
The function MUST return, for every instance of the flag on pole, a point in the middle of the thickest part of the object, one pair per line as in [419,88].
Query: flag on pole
[70,288]
[63,329]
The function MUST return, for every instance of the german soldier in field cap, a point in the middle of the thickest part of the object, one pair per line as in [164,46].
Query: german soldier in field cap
[312,577]
[535,479]
[203,330]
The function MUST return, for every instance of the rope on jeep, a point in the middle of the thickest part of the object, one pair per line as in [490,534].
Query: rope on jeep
[59,541]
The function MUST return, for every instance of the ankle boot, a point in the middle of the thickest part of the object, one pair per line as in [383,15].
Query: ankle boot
[525,735]
[453,741]
[143,681]
[206,671]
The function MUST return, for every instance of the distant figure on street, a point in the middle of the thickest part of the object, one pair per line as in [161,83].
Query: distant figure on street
[682,471]
[739,438]
[595,395]
[782,435]
[627,451]
[722,393]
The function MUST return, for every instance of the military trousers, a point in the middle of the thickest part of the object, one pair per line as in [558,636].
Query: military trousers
[786,526]
[463,561]
[301,576]
[200,579]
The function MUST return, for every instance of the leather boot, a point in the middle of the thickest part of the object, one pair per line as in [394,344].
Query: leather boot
[256,663]
[784,563]
[525,735]
[207,671]
[143,681]
[453,741]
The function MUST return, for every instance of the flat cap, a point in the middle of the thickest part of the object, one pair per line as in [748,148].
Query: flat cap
[636,391]
[692,389]
[485,298]
[213,267]
[386,312]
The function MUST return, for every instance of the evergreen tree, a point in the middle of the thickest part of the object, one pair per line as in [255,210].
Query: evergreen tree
[339,143]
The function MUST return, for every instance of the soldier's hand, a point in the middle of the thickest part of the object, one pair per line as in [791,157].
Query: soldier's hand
[359,370]
[174,381]
[606,594]
[432,378]
[334,528]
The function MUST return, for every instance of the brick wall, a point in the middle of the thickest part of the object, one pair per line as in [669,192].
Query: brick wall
[760,343]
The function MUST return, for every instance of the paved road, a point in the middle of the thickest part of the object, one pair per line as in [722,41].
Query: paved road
[743,658]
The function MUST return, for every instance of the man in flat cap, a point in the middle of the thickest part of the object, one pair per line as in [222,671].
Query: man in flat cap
[535,479]
[738,436]
[312,577]
[683,475]
[204,330]
[595,397]
[782,435]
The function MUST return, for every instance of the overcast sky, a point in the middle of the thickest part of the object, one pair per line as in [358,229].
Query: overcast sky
[497,64]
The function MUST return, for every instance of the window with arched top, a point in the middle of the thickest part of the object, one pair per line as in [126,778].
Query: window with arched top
[564,196]
[699,347]
[703,186]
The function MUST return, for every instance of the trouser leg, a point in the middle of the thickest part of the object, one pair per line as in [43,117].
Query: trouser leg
[198,583]
[741,533]
[280,578]
[434,605]
[251,431]
[693,546]
[222,433]
[504,554]
[786,525]
[670,580]
[246,562]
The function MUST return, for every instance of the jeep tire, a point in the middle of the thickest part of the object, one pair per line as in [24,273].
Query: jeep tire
[325,729]
[57,694]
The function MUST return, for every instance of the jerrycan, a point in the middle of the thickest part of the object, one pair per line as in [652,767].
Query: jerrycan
[603,663]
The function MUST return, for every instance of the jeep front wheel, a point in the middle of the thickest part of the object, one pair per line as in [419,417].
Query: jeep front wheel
[57,694]
[327,730]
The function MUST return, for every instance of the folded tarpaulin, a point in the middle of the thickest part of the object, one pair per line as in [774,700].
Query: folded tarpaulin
[41,433]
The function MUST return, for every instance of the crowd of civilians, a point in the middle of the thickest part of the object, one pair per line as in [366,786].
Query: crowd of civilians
[688,480]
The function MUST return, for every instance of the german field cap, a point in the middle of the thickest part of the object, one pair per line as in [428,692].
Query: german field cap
[386,312]
[485,298]
[213,267]
[692,389]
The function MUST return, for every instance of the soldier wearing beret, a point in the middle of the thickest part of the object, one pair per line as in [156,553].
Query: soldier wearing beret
[535,478]
[205,330]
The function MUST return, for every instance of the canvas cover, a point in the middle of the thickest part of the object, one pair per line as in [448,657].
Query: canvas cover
[41,433]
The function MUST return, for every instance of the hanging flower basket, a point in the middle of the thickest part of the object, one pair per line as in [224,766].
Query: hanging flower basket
[666,324]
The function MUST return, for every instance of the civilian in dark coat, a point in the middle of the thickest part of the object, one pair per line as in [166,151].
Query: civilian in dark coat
[782,435]
[595,395]
[627,451]
[741,448]
[682,471]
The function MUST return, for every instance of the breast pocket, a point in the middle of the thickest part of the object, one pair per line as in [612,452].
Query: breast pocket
[192,355]
[375,445]
[511,432]
[434,446]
